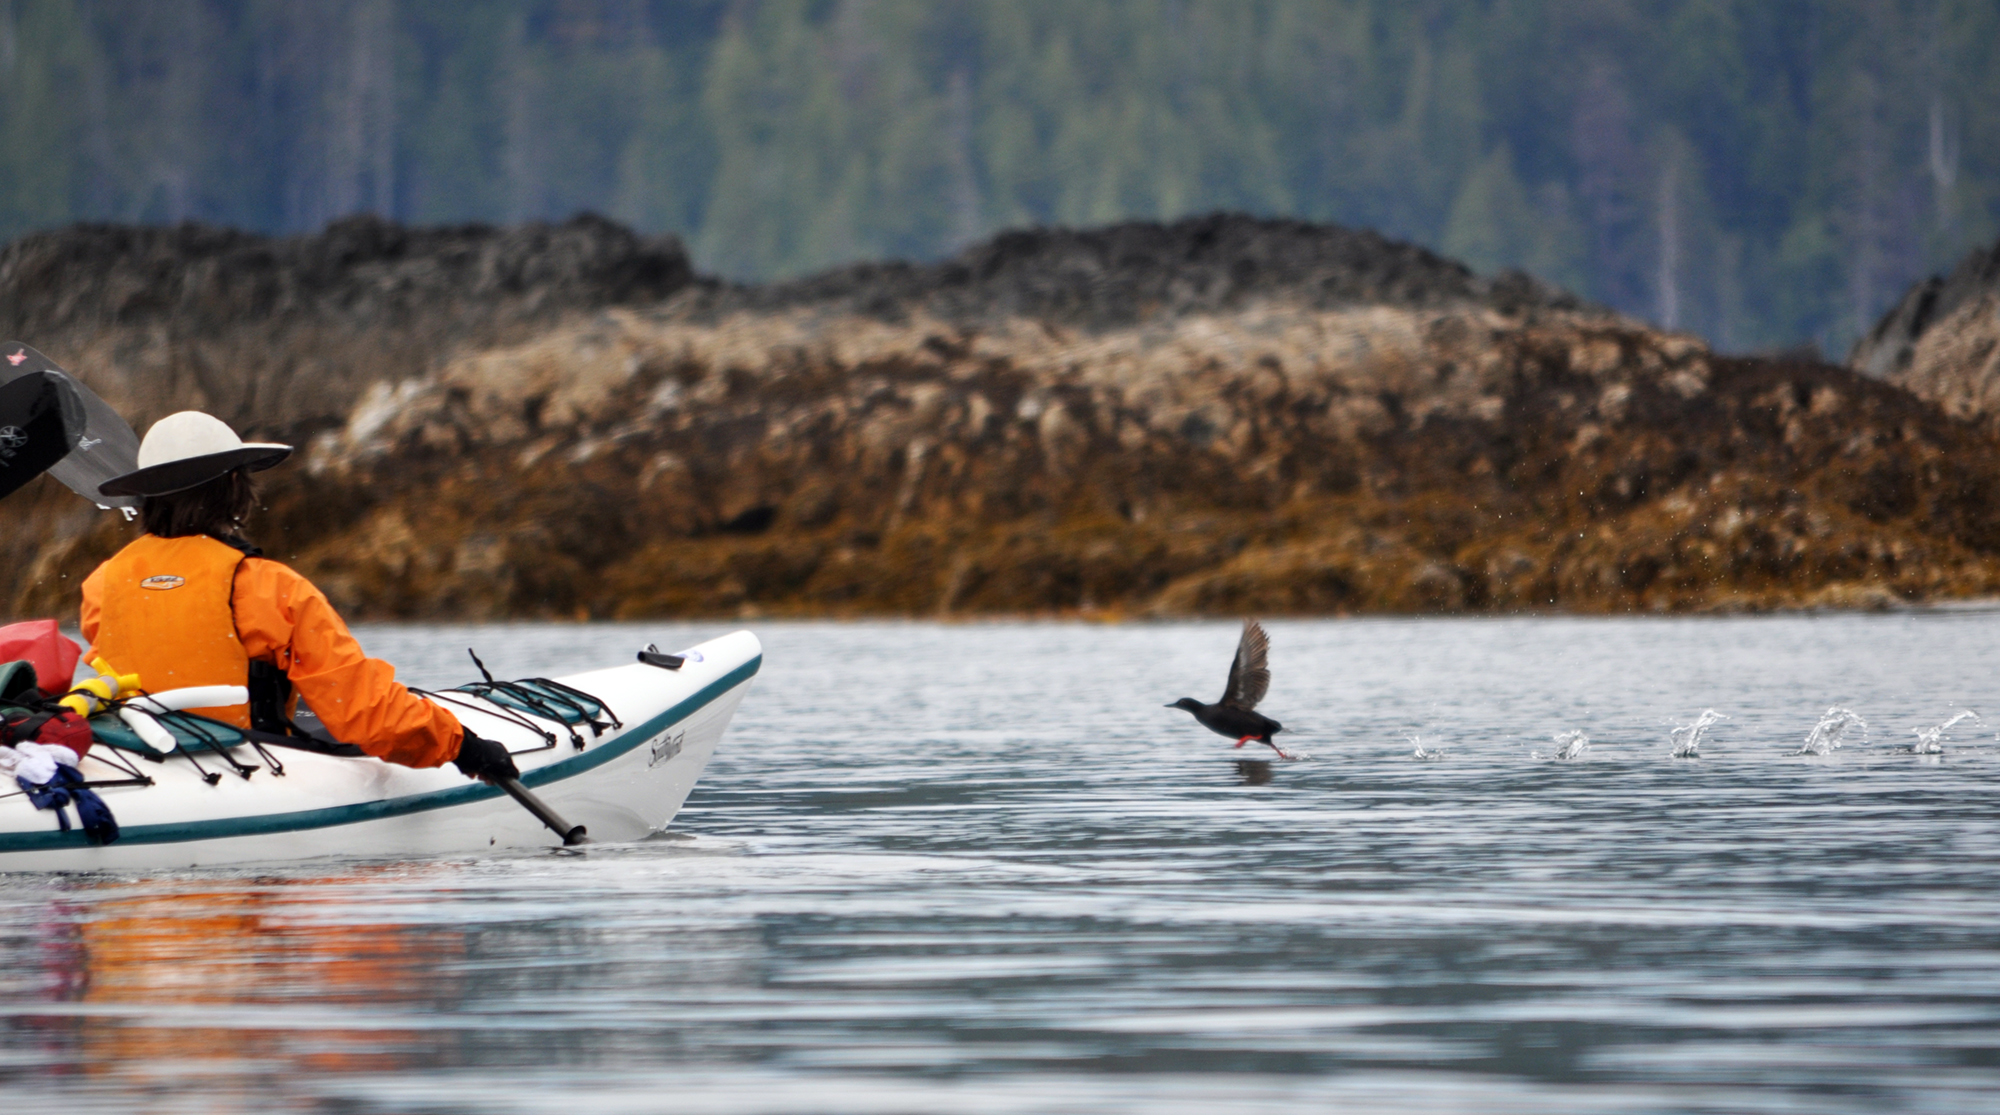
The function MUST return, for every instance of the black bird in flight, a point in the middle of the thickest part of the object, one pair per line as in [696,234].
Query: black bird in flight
[1235,714]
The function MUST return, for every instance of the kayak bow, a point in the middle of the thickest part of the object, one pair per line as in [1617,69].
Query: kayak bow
[621,785]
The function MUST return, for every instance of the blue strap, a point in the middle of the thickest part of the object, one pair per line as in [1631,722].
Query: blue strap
[67,788]
[50,796]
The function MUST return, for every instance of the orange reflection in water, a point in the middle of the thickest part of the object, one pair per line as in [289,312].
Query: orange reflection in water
[266,976]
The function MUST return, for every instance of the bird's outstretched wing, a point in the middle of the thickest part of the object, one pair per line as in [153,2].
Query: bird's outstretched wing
[1249,676]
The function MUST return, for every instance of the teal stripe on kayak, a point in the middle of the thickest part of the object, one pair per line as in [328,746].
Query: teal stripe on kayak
[268,823]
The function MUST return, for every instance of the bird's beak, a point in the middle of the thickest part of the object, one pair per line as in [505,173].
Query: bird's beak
[1170,704]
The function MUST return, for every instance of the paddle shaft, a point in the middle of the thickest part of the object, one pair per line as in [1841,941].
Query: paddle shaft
[571,834]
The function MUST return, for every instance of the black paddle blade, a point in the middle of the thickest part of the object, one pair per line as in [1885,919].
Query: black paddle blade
[39,421]
[103,443]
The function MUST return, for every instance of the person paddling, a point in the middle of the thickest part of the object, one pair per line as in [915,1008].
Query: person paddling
[192,603]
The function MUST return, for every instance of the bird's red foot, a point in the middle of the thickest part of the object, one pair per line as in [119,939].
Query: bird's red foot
[1282,753]
[1244,740]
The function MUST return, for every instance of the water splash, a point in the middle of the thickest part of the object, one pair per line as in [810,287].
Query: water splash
[1687,737]
[1569,745]
[1421,753]
[1930,741]
[1832,731]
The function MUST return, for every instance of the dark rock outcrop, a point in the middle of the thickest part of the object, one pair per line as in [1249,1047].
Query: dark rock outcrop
[283,334]
[1219,415]
[1125,273]
[1942,340]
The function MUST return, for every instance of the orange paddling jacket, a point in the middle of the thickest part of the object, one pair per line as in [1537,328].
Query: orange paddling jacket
[197,611]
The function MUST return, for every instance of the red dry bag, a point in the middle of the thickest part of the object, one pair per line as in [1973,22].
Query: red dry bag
[38,643]
[69,730]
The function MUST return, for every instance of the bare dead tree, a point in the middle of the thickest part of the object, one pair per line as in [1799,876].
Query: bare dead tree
[1667,209]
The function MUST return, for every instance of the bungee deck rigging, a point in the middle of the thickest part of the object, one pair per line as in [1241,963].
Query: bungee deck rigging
[522,702]
[541,697]
[648,733]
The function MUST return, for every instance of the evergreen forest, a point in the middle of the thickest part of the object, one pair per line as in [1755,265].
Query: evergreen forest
[1767,173]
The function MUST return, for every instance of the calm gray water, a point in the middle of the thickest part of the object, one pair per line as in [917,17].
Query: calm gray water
[979,868]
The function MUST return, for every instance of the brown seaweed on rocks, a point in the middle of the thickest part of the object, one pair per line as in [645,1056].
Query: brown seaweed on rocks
[1216,416]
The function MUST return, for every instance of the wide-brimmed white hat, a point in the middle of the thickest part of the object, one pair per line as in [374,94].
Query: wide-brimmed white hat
[187,450]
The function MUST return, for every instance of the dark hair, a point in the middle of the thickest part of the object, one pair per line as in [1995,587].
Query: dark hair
[216,508]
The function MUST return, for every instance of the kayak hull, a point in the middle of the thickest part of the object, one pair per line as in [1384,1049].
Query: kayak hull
[621,785]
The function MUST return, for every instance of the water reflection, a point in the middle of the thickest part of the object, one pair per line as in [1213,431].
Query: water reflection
[901,896]
[148,982]
[1254,772]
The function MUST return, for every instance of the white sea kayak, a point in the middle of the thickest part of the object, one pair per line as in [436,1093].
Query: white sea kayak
[615,750]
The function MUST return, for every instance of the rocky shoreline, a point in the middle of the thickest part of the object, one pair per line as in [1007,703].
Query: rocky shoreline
[1216,416]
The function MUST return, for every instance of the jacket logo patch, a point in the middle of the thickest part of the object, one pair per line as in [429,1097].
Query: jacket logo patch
[163,582]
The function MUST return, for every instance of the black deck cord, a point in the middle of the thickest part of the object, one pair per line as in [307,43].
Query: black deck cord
[270,760]
[511,715]
[508,688]
[547,705]
[528,689]
[587,706]
[109,756]
[207,775]
[499,710]
[567,694]
[137,778]
[89,784]
[94,783]
[553,705]
[215,743]
[192,724]
[596,725]
[539,702]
